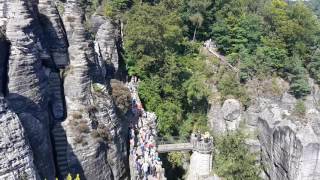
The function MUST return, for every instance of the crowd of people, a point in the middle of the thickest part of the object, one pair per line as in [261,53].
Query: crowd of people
[206,137]
[142,132]
[202,142]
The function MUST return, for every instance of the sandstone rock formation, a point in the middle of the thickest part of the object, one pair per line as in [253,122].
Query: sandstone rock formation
[288,151]
[54,73]
[16,160]
[27,85]
[55,35]
[107,48]
[3,13]
[86,93]
[289,143]
[231,110]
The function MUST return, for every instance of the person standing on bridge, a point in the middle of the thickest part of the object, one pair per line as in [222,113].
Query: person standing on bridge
[145,168]
[158,170]
[153,168]
[206,136]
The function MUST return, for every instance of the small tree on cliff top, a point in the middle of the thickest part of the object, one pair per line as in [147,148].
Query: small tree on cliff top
[233,160]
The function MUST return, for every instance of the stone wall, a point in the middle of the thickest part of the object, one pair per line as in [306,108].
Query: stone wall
[200,166]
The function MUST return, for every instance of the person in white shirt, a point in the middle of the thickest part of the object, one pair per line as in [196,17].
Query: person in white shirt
[145,168]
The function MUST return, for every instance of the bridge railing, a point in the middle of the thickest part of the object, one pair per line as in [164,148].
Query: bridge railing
[171,140]
[202,146]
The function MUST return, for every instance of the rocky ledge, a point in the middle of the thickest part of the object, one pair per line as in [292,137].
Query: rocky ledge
[288,142]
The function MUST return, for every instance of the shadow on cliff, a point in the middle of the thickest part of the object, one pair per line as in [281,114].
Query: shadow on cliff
[35,121]
[62,164]
[4,60]
[52,41]
[172,172]
[73,168]
[74,165]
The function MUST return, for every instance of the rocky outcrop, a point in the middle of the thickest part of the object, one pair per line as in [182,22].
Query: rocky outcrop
[215,119]
[289,151]
[93,156]
[27,84]
[16,160]
[118,133]
[55,35]
[289,143]
[226,117]
[3,13]
[231,110]
[85,156]
[106,48]
[52,69]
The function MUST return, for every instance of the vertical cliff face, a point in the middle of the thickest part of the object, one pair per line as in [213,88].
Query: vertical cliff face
[289,143]
[27,84]
[4,51]
[85,86]
[16,155]
[106,47]
[57,86]
[54,31]
[289,150]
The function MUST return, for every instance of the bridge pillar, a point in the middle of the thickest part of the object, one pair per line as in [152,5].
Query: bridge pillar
[200,166]
[200,161]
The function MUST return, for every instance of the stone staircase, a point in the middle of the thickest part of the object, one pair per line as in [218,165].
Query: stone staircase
[60,146]
[56,96]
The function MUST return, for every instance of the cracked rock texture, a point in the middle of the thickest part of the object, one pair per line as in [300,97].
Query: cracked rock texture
[107,48]
[27,84]
[57,82]
[289,143]
[54,32]
[85,86]
[16,160]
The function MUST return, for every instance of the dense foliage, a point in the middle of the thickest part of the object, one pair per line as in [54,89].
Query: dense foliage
[233,160]
[172,72]
[121,96]
[260,37]
[264,37]
[162,39]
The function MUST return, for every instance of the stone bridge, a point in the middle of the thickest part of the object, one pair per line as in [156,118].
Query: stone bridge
[179,144]
[201,158]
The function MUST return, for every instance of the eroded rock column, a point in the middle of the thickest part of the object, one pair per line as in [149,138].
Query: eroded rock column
[16,160]
[27,85]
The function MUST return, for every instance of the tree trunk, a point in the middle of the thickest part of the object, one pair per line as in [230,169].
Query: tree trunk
[194,33]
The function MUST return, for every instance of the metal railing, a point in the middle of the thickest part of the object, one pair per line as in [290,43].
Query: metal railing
[171,140]
[176,143]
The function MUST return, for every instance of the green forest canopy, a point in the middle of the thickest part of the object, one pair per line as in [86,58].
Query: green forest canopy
[260,37]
